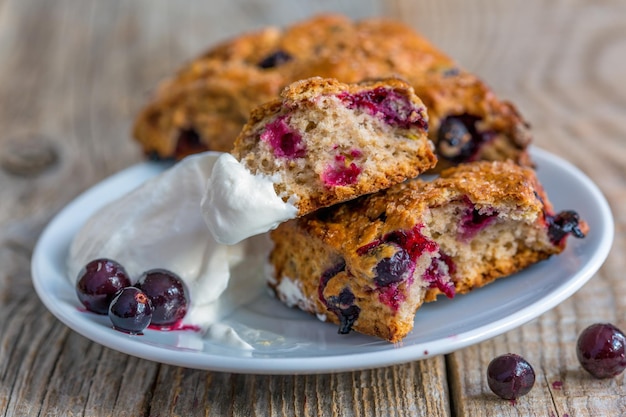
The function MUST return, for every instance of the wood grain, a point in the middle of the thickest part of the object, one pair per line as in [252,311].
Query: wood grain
[73,74]
[559,76]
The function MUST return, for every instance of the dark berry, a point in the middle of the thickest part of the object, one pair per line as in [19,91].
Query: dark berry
[393,269]
[451,72]
[345,309]
[347,317]
[189,142]
[98,282]
[130,311]
[458,139]
[414,244]
[510,376]
[275,59]
[343,304]
[168,293]
[332,271]
[474,220]
[601,350]
[564,223]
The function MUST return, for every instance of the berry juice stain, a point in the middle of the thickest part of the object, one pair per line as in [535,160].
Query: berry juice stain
[473,221]
[177,326]
[341,174]
[557,385]
[285,141]
[391,297]
[393,108]
[438,274]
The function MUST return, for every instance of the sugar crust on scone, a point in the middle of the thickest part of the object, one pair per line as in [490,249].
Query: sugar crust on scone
[205,105]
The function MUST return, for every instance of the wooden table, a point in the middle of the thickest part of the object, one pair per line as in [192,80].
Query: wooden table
[74,73]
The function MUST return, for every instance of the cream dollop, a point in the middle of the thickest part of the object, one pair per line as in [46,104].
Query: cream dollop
[160,225]
[228,336]
[239,204]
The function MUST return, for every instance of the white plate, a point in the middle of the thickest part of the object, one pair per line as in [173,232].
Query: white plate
[306,345]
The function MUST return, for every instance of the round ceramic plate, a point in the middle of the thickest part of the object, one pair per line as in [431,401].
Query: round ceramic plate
[288,341]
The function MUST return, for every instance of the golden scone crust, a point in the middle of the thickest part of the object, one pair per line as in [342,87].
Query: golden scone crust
[369,264]
[324,142]
[207,102]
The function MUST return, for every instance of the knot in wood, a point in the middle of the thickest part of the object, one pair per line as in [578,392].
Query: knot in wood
[27,156]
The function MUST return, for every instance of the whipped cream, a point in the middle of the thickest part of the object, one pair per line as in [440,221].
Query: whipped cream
[228,335]
[290,293]
[160,225]
[239,204]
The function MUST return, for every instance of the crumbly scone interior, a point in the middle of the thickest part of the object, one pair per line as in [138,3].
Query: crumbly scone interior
[338,152]
[381,256]
[510,242]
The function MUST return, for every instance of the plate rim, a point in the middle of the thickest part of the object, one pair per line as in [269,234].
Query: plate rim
[331,363]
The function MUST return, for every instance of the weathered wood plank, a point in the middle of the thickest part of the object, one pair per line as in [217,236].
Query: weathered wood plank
[559,62]
[60,373]
[391,391]
[72,76]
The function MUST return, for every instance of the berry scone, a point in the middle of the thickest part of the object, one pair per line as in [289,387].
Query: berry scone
[322,142]
[205,105]
[368,264]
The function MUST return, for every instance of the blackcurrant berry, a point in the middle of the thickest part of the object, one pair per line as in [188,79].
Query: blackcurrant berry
[601,350]
[168,293]
[130,311]
[510,376]
[98,282]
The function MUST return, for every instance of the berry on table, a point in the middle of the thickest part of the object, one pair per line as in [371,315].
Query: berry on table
[601,350]
[98,282]
[510,376]
[130,311]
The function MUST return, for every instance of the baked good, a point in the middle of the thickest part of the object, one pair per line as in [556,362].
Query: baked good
[331,142]
[322,142]
[205,105]
[368,265]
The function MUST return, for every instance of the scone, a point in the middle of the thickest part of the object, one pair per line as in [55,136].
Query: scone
[368,265]
[205,105]
[322,142]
